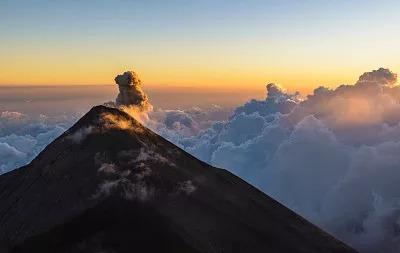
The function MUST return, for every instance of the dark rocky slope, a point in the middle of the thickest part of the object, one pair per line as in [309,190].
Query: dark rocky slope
[111,185]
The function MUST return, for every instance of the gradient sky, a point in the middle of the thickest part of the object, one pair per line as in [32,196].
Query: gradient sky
[299,43]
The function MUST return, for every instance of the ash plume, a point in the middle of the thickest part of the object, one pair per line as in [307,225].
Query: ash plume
[130,91]
[131,98]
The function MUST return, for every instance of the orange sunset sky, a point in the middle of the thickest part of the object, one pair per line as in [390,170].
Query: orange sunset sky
[204,44]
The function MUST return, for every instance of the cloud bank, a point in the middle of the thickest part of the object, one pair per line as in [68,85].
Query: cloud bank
[22,137]
[333,157]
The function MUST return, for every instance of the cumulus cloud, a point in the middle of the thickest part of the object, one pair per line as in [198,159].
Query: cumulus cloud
[332,157]
[176,119]
[277,101]
[380,76]
[177,124]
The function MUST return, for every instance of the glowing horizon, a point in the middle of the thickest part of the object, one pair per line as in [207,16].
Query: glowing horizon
[208,44]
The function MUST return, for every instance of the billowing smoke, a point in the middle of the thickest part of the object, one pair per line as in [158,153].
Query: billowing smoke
[130,91]
[131,97]
[333,157]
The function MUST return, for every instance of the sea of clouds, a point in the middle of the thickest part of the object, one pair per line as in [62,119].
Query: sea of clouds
[23,136]
[333,157]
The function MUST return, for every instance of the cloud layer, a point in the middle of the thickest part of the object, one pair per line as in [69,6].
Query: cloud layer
[333,157]
[22,137]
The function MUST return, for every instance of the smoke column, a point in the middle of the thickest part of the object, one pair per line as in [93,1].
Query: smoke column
[130,91]
[131,97]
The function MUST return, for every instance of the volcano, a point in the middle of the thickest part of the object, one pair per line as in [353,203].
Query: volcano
[109,184]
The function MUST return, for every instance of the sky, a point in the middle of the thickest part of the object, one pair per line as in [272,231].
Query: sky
[205,44]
